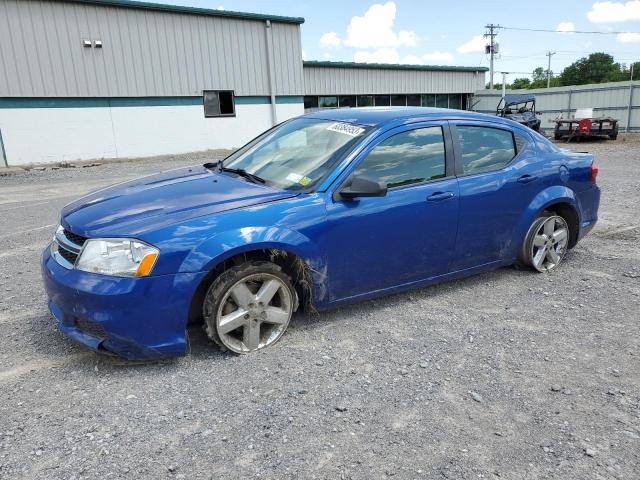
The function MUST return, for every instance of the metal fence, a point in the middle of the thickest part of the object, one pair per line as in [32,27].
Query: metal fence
[619,100]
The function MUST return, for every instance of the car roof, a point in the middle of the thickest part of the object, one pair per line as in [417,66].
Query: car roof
[514,99]
[379,116]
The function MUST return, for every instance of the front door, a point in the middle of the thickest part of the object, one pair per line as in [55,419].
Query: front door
[407,235]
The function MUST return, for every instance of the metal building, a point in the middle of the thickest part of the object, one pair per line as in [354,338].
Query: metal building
[346,84]
[87,79]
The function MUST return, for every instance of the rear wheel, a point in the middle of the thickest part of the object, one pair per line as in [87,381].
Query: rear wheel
[248,307]
[546,243]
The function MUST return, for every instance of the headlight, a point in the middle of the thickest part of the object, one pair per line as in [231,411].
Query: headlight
[121,257]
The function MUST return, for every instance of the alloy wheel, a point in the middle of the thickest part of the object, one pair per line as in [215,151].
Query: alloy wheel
[254,313]
[549,244]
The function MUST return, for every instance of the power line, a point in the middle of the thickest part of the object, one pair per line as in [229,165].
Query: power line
[588,32]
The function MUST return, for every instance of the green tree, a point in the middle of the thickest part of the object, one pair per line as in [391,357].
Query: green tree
[542,83]
[539,74]
[596,68]
[625,72]
[521,83]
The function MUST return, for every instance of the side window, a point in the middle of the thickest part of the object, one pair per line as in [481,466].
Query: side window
[219,103]
[409,157]
[485,149]
[521,142]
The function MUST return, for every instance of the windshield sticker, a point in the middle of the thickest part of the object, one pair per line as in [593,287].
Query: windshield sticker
[296,178]
[346,129]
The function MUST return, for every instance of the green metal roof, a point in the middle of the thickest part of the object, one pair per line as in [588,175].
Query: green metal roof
[161,7]
[392,66]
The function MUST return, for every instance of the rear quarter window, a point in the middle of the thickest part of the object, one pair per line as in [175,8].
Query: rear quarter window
[485,149]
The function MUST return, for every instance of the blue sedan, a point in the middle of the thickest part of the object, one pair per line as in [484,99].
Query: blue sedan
[325,209]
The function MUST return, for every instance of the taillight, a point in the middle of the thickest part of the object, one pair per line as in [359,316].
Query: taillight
[594,173]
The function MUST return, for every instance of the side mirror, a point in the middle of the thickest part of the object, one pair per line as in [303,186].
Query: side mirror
[364,187]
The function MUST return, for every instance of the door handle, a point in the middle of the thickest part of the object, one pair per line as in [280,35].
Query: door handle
[526,178]
[439,196]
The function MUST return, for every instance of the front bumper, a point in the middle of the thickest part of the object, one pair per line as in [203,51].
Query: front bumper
[136,318]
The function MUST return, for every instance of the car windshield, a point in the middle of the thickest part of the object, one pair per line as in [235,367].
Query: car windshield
[297,154]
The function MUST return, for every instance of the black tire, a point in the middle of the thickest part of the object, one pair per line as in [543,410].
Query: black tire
[225,281]
[526,256]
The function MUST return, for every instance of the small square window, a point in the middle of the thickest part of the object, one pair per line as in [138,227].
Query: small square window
[428,100]
[382,100]
[219,103]
[455,101]
[328,102]
[365,100]
[310,101]
[348,101]
[398,100]
[413,100]
[442,101]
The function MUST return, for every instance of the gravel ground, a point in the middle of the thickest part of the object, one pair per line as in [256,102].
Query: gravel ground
[508,374]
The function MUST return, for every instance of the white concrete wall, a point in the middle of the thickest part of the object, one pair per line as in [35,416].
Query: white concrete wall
[47,135]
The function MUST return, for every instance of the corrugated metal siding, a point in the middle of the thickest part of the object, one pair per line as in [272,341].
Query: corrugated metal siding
[145,53]
[287,54]
[346,81]
[607,99]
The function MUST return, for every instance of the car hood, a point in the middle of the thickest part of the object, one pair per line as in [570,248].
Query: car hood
[135,207]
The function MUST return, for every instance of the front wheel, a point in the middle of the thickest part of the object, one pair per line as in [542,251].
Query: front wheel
[546,243]
[249,306]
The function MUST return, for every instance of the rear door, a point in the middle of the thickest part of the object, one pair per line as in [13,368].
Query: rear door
[407,235]
[499,175]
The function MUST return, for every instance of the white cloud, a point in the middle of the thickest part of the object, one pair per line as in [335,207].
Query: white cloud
[628,37]
[475,45]
[382,55]
[220,7]
[412,60]
[375,29]
[438,57]
[613,12]
[327,56]
[330,40]
[566,27]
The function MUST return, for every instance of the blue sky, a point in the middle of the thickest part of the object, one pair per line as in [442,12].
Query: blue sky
[437,32]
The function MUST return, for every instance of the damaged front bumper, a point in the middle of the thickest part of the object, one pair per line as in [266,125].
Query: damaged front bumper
[136,318]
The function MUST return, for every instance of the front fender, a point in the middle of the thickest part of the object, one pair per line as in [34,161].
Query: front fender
[224,245]
[547,197]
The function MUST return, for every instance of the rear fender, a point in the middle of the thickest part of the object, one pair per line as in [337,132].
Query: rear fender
[547,197]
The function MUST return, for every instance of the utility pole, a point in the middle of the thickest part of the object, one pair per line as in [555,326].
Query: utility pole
[549,54]
[628,109]
[491,48]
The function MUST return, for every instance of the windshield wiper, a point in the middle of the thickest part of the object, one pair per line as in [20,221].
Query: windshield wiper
[238,171]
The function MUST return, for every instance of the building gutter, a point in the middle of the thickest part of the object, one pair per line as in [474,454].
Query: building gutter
[270,69]
[4,155]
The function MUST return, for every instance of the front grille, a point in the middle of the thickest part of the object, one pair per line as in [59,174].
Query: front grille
[68,255]
[67,247]
[91,328]
[72,237]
